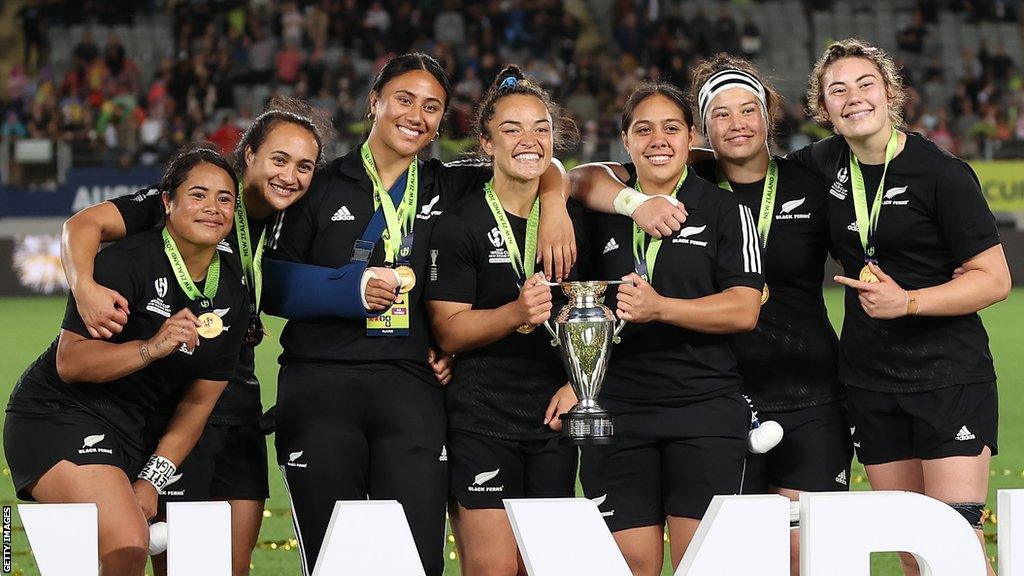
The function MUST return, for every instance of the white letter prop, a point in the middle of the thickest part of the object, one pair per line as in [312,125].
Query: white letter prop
[559,536]
[369,537]
[198,539]
[840,530]
[740,535]
[64,538]
[1011,534]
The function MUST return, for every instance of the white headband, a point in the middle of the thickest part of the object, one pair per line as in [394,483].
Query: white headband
[724,80]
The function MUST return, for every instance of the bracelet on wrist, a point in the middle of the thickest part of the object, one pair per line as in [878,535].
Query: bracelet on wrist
[158,471]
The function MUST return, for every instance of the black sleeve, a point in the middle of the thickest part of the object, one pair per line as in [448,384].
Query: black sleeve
[112,270]
[453,257]
[962,213]
[462,178]
[815,158]
[738,260]
[290,236]
[580,223]
[141,211]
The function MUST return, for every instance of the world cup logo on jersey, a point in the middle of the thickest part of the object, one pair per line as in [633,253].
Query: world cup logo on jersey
[161,287]
[586,329]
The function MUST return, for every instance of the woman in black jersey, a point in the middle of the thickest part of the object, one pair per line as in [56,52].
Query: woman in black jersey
[359,413]
[276,157]
[914,356]
[789,361]
[74,427]
[673,384]
[485,304]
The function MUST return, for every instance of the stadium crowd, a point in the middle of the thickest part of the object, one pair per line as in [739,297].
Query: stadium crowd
[228,58]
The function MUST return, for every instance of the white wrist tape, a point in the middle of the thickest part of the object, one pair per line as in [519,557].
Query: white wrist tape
[628,200]
[158,471]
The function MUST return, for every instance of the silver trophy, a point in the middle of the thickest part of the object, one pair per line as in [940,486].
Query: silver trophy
[586,330]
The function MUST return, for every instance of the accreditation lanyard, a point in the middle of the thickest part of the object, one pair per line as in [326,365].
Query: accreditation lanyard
[522,264]
[185,280]
[251,265]
[644,259]
[771,185]
[867,223]
[398,233]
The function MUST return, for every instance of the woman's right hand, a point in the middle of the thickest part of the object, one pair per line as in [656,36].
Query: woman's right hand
[534,302]
[175,331]
[104,311]
[660,216]
[381,289]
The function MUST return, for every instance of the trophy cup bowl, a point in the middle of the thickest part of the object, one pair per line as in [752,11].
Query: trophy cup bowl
[586,330]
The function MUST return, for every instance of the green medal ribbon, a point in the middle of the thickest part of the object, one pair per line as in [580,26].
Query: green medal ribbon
[868,223]
[771,185]
[522,264]
[650,255]
[399,220]
[185,280]
[251,266]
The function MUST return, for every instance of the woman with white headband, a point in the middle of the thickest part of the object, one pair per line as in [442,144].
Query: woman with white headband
[673,385]
[789,361]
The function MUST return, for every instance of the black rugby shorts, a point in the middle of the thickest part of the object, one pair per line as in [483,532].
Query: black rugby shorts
[956,420]
[483,470]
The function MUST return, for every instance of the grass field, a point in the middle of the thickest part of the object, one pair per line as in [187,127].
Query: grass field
[29,324]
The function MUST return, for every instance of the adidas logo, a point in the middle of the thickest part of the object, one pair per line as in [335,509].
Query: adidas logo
[841,478]
[853,227]
[444,454]
[611,245]
[964,434]
[342,214]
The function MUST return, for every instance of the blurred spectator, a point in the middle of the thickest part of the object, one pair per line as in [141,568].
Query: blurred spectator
[115,102]
[750,39]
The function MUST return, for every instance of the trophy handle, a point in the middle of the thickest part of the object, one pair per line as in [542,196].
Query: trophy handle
[552,331]
[618,328]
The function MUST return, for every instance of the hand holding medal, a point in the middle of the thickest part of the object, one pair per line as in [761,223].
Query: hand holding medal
[880,296]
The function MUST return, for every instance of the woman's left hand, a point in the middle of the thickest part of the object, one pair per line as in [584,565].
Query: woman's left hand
[638,302]
[882,300]
[145,494]
[561,402]
[556,244]
[441,364]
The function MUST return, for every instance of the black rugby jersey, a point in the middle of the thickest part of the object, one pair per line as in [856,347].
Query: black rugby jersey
[137,268]
[789,360]
[240,403]
[322,228]
[715,249]
[501,389]
[933,218]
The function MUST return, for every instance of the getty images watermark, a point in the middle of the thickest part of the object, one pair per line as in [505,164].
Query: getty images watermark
[7,540]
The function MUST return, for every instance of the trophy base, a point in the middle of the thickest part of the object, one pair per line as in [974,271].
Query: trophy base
[587,429]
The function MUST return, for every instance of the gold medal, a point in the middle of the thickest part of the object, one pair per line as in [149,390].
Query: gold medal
[866,275]
[212,325]
[525,328]
[406,279]
[764,295]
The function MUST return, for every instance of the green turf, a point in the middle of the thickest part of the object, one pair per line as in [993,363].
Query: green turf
[29,324]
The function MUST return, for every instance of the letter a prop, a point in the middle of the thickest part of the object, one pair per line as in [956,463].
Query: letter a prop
[369,537]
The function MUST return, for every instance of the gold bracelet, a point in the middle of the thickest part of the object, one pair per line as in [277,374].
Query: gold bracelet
[913,303]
